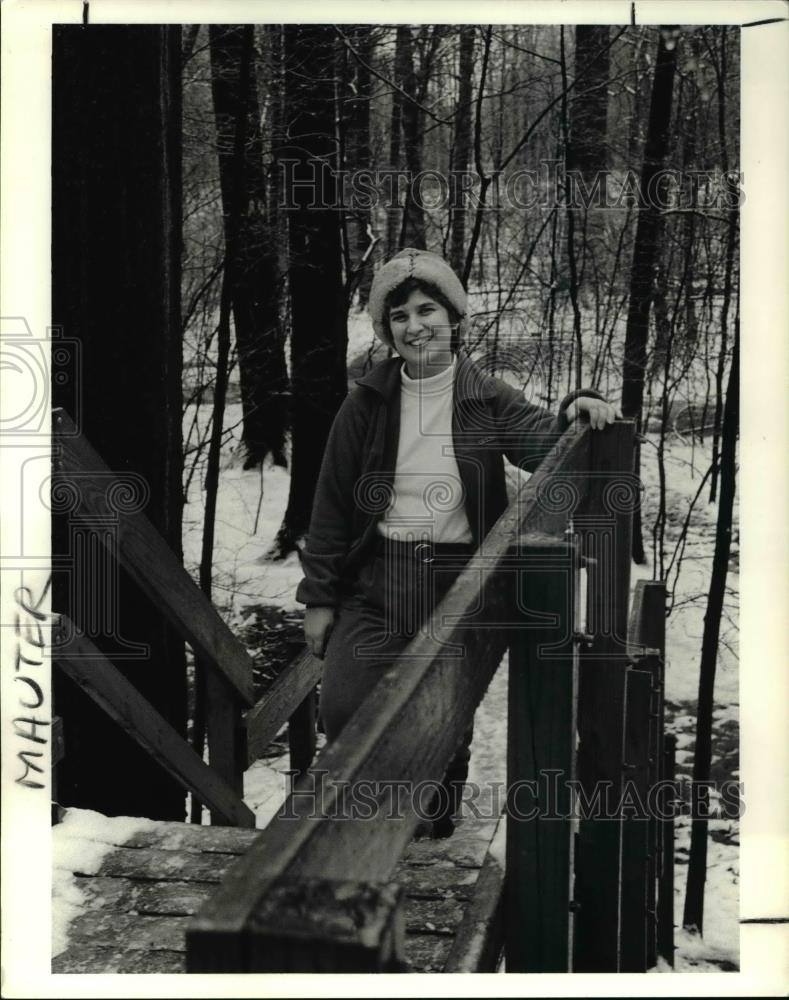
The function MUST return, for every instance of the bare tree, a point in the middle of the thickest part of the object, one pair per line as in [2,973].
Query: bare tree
[357,154]
[412,229]
[589,108]
[645,248]
[720,68]
[693,915]
[461,148]
[319,335]
[254,291]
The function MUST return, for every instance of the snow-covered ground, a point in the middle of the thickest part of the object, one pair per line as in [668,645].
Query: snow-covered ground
[250,509]
[79,844]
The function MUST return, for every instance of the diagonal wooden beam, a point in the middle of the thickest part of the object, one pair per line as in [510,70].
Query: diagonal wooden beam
[86,665]
[150,561]
[280,701]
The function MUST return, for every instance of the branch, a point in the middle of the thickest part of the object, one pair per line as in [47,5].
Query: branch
[531,129]
[386,80]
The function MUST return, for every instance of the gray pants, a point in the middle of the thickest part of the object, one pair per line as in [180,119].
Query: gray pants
[380,614]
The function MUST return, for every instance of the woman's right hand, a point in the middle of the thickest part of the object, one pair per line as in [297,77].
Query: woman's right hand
[318,623]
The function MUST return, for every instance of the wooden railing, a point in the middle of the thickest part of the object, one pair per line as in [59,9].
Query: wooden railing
[585,705]
[239,729]
[313,892]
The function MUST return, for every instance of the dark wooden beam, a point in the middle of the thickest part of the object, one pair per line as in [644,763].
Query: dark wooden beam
[605,526]
[636,920]
[665,914]
[541,735]
[302,735]
[280,701]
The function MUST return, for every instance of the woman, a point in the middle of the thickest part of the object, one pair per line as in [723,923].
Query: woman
[411,482]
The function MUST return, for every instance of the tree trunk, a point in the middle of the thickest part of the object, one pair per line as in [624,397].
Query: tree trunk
[461,151]
[645,253]
[190,33]
[589,109]
[693,916]
[259,338]
[116,245]
[412,231]
[731,244]
[395,130]
[319,333]
[589,227]
[278,222]
[570,214]
[484,179]
[358,155]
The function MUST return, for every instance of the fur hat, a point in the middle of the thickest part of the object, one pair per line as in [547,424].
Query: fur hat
[411,263]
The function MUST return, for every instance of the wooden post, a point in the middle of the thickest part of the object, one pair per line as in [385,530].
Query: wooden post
[648,615]
[647,634]
[635,919]
[302,735]
[540,764]
[225,735]
[605,525]
[665,903]
[653,665]
[322,925]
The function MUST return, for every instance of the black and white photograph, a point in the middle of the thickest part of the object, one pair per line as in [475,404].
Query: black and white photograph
[386,393]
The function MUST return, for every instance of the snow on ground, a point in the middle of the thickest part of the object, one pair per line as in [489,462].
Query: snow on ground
[79,845]
[266,788]
[249,512]
[718,949]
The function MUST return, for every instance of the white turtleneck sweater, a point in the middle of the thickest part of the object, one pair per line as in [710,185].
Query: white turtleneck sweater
[427,502]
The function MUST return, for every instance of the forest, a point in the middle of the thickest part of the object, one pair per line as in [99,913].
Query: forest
[582,180]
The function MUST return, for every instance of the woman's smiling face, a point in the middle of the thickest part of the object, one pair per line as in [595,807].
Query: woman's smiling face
[422,334]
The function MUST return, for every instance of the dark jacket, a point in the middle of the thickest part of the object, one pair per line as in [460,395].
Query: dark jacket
[490,418]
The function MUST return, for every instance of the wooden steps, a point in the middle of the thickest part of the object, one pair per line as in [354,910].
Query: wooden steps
[136,906]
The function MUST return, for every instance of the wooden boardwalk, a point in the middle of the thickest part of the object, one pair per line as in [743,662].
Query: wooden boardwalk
[139,901]
[585,899]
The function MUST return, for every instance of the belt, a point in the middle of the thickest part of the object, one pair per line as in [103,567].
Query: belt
[423,552]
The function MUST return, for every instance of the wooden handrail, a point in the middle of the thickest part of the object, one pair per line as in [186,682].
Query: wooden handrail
[405,730]
[150,562]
